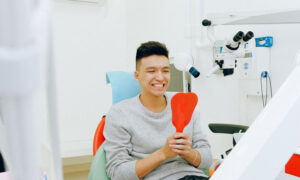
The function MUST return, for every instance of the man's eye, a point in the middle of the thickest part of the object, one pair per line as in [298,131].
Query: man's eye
[166,71]
[151,71]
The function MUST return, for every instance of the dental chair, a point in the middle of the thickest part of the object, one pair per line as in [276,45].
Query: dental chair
[123,86]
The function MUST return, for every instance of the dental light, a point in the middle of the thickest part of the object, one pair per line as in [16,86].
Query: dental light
[185,62]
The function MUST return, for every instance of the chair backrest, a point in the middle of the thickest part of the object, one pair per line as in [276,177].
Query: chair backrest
[99,137]
[123,86]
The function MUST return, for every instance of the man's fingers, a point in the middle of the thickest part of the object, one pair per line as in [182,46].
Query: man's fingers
[182,136]
[180,152]
[181,141]
[179,146]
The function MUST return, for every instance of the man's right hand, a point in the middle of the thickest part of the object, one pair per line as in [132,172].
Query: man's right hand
[147,164]
[166,150]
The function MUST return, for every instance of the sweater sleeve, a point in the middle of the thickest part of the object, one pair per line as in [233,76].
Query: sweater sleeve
[120,164]
[200,143]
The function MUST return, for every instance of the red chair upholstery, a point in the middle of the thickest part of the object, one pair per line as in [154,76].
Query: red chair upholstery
[98,137]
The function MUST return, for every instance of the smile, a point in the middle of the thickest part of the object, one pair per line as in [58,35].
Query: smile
[158,85]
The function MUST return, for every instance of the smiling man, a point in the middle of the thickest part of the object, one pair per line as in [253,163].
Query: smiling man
[141,142]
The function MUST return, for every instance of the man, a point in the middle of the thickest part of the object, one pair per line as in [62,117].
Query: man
[141,142]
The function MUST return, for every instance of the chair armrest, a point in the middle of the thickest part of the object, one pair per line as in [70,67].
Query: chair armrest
[227,128]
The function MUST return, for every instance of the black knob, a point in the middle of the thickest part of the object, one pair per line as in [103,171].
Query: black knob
[206,22]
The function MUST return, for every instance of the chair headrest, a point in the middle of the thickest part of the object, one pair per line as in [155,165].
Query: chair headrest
[123,85]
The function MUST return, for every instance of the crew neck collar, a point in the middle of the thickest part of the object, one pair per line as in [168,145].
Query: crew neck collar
[153,114]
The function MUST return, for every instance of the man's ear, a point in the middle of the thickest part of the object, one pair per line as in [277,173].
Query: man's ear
[136,76]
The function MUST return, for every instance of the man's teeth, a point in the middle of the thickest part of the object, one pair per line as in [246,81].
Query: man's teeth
[158,85]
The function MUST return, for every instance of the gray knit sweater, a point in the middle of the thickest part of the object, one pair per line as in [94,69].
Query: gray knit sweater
[133,132]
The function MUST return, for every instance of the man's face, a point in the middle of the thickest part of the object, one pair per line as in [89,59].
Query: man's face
[153,74]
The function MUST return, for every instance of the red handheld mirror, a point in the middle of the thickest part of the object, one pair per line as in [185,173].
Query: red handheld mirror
[183,105]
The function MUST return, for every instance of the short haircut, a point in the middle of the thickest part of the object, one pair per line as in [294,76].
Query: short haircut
[150,48]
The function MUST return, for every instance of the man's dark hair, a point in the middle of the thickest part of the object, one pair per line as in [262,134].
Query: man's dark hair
[151,48]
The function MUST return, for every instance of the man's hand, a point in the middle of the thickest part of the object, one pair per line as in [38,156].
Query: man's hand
[167,150]
[181,144]
[176,144]
[147,164]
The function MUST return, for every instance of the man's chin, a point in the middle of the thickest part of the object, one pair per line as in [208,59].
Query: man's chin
[160,93]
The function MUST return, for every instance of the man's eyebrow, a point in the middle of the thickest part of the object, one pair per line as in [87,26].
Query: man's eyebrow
[153,67]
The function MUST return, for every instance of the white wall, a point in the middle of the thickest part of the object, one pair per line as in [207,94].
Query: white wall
[155,20]
[89,40]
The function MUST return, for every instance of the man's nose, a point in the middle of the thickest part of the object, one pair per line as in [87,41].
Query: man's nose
[159,76]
